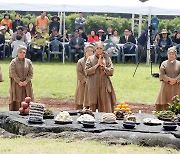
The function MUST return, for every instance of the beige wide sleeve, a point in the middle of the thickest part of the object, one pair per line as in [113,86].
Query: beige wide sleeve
[80,73]
[162,74]
[12,72]
[30,72]
[109,70]
[89,69]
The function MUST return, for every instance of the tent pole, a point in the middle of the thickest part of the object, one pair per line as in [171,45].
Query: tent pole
[60,29]
[148,43]
[132,28]
[64,25]
[140,25]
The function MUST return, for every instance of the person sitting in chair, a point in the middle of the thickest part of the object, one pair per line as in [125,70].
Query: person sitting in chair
[128,37]
[77,46]
[37,43]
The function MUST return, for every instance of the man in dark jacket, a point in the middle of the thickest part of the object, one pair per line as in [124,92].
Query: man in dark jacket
[128,37]
[2,40]
[77,46]
[17,22]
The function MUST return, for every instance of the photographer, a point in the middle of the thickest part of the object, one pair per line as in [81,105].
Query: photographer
[163,45]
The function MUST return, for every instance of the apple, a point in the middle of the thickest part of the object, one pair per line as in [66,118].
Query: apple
[26,111]
[21,110]
[24,105]
[28,99]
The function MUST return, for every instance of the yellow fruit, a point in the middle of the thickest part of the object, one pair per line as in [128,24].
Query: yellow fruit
[119,106]
[116,109]
[128,109]
[123,109]
[126,106]
[122,103]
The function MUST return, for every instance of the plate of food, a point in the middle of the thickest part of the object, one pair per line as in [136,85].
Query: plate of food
[63,118]
[48,114]
[152,121]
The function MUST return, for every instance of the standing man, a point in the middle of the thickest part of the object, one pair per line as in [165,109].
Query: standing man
[17,22]
[101,93]
[42,20]
[80,21]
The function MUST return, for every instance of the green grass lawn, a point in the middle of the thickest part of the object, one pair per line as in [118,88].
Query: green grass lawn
[58,80]
[60,146]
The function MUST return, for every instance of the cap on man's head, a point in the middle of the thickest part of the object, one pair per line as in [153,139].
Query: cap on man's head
[2,27]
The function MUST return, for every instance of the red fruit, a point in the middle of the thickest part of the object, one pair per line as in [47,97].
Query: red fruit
[28,99]
[24,105]
[21,110]
[26,111]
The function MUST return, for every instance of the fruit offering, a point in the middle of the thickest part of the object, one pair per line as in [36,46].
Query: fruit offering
[25,106]
[123,107]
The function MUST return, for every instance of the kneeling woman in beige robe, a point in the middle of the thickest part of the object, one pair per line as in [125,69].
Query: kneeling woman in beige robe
[81,89]
[99,68]
[20,73]
[170,77]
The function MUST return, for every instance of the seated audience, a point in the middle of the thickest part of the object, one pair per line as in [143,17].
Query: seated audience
[2,40]
[109,33]
[37,44]
[54,34]
[128,37]
[32,29]
[93,37]
[176,39]
[115,37]
[101,35]
[82,34]
[16,44]
[8,33]
[77,46]
[19,32]
[28,34]
[44,33]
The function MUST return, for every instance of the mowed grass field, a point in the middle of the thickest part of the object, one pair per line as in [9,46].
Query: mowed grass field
[60,146]
[57,80]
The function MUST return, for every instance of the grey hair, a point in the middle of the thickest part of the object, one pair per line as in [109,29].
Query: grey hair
[20,48]
[172,49]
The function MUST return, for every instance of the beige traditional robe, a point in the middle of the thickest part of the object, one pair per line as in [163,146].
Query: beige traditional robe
[100,89]
[20,70]
[1,78]
[168,70]
[81,89]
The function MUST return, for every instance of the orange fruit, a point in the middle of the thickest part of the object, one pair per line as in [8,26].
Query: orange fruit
[128,109]
[122,103]
[116,109]
[119,106]
[123,109]
[126,106]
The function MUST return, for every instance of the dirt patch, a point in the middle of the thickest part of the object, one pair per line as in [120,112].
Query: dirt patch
[68,104]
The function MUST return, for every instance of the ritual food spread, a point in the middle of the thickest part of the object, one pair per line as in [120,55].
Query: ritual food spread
[109,118]
[36,112]
[123,107]
[63,118]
